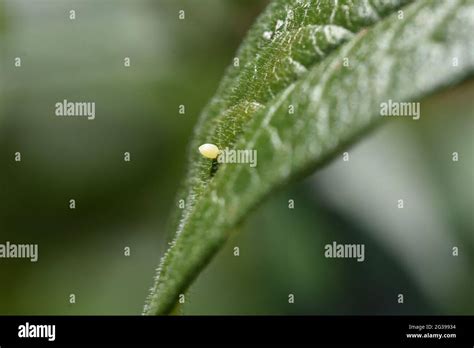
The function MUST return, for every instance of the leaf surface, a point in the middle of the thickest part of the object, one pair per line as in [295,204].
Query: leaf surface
[310,80]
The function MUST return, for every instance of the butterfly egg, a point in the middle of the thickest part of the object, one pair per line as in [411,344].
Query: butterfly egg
[209,150]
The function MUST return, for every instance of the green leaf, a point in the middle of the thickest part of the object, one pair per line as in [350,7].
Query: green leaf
[333,63]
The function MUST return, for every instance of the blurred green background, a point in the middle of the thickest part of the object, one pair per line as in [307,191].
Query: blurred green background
[127,204]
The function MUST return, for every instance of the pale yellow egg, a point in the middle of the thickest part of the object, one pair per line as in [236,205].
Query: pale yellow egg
[209,150]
